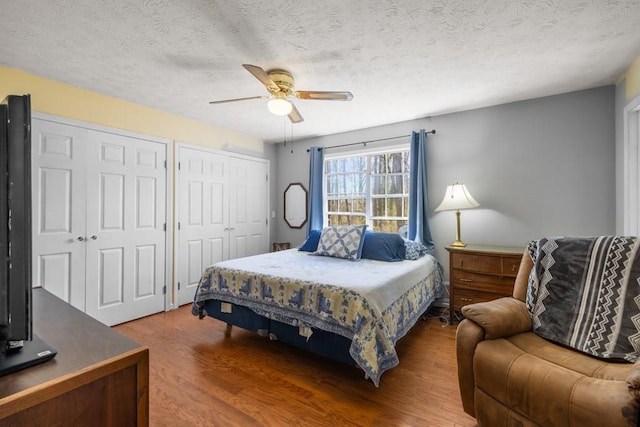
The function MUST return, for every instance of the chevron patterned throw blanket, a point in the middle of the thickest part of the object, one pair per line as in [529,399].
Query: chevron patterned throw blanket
[584,293]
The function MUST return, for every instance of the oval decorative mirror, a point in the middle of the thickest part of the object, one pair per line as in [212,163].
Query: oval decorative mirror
[295,205]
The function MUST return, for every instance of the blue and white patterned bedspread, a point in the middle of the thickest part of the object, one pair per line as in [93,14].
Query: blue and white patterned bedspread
[373,303]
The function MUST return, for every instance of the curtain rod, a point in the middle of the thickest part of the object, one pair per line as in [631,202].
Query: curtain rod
[433,131]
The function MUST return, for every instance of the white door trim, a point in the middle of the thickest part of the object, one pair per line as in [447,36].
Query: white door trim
[631,168]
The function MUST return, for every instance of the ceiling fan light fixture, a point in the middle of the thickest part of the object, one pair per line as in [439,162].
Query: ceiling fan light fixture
[279,106]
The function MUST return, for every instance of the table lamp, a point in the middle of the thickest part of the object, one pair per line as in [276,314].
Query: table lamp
[455,198]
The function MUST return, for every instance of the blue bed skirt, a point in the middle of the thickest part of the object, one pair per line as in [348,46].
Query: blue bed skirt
[320,342]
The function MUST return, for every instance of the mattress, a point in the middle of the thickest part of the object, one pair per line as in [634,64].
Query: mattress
[373,303]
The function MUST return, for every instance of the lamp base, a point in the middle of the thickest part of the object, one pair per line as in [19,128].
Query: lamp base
[458,244]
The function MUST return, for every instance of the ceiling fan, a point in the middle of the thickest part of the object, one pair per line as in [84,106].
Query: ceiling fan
[279,83]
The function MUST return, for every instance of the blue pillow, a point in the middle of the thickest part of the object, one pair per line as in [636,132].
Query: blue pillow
[383,247]
[311,244]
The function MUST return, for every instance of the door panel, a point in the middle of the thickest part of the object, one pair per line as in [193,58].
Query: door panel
[249,208]
[145,272]
[110,277]
[112,203]
[125,218]
[202,212]
[58,200]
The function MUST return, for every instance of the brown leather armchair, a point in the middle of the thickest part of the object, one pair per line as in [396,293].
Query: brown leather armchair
[509,376]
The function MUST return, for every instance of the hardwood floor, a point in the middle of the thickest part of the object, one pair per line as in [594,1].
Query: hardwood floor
[200,378]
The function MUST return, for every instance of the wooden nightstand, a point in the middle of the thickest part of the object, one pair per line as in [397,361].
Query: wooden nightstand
[481,273]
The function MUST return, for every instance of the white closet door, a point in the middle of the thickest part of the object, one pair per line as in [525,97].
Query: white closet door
[249,190]
[203,215]
[58,201]
[126,191]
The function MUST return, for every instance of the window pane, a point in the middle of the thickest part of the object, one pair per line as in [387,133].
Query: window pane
[332,186]
[378,164]
[377,184]
[405,204]
[394,206]
[378,207]
[334,220]
[329,166]
[332,205]
[359,206]
[394,184]
[360,184]
[394,162]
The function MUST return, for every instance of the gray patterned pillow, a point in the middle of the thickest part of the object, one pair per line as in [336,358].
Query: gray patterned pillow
[415,250]
[342,241]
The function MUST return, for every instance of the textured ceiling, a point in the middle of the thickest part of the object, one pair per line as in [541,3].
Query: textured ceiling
[401,59]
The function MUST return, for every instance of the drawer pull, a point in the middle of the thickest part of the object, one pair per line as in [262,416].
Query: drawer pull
[466,299]
[466,280]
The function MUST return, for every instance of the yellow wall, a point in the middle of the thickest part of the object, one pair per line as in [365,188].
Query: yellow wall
[633,79]
[60,99]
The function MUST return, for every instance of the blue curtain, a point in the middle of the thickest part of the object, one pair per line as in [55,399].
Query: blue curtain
[419,229]
[315,213]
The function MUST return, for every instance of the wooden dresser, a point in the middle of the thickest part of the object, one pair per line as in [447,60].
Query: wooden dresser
[98,378]
[480,273]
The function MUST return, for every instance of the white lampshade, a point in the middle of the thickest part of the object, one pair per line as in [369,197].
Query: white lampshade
[457,197]
[279,106]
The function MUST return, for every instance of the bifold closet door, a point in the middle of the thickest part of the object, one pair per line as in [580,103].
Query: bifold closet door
[203,216]
[99,214]
[126,190]
[248,218]
[59,217]
[222,210]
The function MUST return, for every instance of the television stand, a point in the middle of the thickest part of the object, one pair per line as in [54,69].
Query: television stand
[98,377]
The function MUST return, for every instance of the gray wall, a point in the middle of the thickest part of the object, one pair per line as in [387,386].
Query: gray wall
[542,167]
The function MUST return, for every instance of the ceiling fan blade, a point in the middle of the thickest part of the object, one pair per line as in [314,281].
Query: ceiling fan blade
[326,96]
[237,99]
[262,75]
[295,115]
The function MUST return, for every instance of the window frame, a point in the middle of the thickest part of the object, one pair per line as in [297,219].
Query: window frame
[369,197]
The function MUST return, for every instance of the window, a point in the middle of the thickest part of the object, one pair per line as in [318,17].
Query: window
[368,189]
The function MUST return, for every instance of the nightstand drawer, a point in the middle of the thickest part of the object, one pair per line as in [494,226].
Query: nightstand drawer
[466,297]
[481,282]
[510,265]
[479,263]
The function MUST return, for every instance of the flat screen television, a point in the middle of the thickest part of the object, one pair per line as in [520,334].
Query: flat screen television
[19,347]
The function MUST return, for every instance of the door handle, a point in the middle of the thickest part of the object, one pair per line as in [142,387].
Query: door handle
[80,239]
[94,237]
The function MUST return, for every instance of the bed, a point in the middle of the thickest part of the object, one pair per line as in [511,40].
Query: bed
[352,311]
